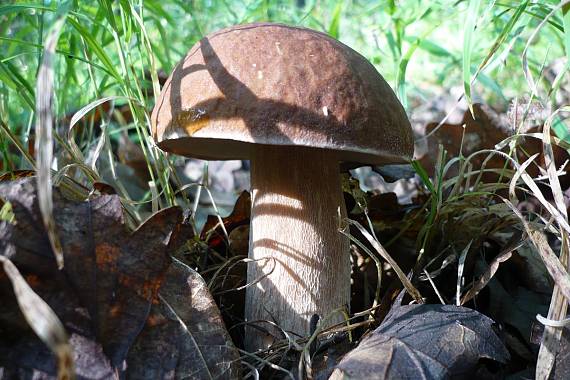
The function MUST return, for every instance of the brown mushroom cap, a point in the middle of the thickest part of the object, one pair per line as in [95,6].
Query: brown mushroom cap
[274,84]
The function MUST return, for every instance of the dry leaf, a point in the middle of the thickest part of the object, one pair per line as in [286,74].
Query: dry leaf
[424,342]
[184,337]
[107,290]
[212,233]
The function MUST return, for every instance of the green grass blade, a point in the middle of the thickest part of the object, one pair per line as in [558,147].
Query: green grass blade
[561,129]
[419,169]
[65,53]
[558,125]
[401,83]
[470,23]
[96,48]
[502,37]
[12,77]
[430,47]
[17,8]
[334,26]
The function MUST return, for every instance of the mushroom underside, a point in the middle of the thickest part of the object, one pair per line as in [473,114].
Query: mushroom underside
[212,148]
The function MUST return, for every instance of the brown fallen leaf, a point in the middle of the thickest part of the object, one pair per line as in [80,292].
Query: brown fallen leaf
[22,355]
[481,132]
[212,232]
[184,336]
[107,290]
[424,342]
[239,240]
[484,132]
[116,274]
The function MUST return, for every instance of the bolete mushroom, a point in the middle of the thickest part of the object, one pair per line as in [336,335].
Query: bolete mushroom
[295,102]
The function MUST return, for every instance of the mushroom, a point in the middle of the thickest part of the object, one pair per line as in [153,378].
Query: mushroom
[295,102]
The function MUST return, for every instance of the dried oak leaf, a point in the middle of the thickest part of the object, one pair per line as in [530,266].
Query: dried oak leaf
[212,232]
[184,336]
[484,132]
[424,342]
[107,294]
[25,242]
[115,273]
[22,355]
[41,319]
[481,132]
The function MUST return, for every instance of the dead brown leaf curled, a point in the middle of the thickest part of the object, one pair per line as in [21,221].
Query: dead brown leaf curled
[107,296]
[424,342]
[184,335]
[212,232]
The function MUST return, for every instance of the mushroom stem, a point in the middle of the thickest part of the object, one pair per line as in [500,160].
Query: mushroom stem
[302,261]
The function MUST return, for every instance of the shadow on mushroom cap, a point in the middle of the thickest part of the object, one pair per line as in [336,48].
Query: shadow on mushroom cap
[321,94]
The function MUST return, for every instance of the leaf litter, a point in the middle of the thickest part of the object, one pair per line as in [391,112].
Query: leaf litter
[117,289]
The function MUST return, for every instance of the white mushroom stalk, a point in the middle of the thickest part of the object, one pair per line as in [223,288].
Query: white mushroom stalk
[301,260]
